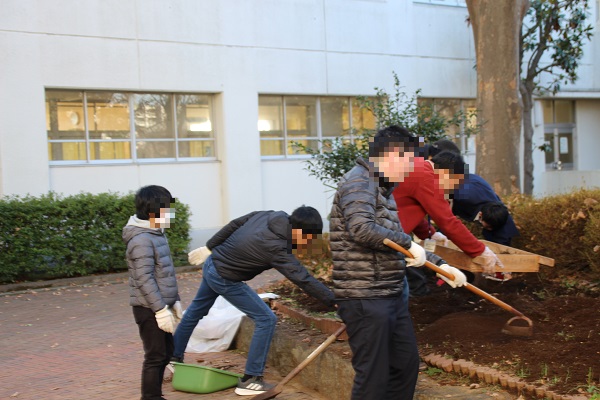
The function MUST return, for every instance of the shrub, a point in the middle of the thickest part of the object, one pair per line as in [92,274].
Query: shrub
[563,227]
[52,236]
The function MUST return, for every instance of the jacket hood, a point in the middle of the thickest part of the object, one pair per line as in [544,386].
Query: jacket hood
[136,226]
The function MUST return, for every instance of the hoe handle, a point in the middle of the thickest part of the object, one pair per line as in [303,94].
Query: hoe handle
[448,275]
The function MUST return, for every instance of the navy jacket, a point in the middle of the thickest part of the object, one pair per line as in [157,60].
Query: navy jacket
[470,197]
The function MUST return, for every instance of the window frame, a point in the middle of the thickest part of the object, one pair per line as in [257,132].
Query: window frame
[133,139]
[318,138]
[558,129]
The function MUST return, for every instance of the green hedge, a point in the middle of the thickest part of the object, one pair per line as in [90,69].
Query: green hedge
[53,236]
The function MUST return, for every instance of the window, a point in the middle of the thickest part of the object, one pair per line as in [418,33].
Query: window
[448,108]
[128,127]
[559,125]
[283,120]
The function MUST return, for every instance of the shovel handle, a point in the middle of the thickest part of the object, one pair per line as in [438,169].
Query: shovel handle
[448,275]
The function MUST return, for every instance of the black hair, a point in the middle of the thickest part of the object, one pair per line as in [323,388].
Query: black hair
[150,199]
[390,136]
[439,146]
[495,214]
[308,219]
[451,161]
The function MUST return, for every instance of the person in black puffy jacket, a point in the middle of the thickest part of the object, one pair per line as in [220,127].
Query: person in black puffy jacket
[369,277]
[241,250]
[153,292]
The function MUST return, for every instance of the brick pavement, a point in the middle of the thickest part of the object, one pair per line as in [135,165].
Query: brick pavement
[81,342]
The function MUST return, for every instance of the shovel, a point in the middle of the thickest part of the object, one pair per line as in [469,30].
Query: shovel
[272,393]
[512,327]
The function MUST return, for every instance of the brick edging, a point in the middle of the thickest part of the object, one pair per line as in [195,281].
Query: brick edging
[494,377]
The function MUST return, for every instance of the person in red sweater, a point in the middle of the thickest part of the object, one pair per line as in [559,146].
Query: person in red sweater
[425,192]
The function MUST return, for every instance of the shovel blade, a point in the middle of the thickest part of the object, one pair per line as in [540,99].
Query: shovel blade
[510,328]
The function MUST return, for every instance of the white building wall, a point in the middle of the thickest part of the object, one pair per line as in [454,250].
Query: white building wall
[234,49]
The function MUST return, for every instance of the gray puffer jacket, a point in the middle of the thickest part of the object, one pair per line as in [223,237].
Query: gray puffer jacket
[363,214]
[152,281]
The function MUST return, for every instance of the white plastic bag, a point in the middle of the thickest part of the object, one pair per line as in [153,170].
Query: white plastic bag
[216,330]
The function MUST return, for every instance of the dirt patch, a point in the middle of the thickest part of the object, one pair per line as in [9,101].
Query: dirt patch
[563,353]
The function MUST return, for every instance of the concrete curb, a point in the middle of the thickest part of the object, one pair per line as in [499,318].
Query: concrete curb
[79,280]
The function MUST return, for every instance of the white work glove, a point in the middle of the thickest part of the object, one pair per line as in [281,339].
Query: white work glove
[419,256]
[198,256]
[165,320]
[441,238]
[459,278]
[177,311]
[490,262]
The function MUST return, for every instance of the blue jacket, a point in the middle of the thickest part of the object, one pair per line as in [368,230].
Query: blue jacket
[470,197]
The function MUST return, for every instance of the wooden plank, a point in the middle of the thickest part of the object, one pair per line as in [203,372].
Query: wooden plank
[512,262]
[501,249]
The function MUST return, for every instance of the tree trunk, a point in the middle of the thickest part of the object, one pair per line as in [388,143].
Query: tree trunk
[496,30]
[527,96]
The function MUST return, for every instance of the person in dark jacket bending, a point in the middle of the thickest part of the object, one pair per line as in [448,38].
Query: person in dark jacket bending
[368,276]
[241,250]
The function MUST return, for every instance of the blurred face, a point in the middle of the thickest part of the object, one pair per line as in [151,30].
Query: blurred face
[300,239]
[448,181]
[167,215]
[394,164]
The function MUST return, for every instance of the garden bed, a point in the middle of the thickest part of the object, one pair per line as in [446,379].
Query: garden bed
[563,354]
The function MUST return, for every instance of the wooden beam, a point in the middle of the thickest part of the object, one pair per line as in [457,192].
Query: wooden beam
[512,262]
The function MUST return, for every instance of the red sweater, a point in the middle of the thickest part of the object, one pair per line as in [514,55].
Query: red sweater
[420,195]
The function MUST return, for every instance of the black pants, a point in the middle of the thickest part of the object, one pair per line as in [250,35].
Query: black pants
[158,349]
[384,349]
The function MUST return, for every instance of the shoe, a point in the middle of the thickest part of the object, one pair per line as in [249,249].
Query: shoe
[252,386]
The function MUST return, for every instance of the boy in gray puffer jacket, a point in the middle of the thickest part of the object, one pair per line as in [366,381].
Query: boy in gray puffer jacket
[153,292]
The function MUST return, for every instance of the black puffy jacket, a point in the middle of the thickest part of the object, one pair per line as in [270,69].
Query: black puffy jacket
[363,214]
[258,241]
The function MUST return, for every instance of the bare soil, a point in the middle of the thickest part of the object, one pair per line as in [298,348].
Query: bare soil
[563,353]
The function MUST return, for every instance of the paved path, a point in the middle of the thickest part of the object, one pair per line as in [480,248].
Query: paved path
[81,342]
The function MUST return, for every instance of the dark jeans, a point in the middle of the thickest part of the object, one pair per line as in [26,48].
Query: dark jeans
[158,349]
[244,299]
[384,349]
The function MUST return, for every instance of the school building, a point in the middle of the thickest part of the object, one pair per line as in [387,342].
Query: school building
[205,97]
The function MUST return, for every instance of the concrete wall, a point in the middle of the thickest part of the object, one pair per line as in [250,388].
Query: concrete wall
[236,50]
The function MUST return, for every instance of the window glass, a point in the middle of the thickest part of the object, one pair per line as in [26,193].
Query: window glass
[564,111]
[295,150]
[448,108]
[565,148]
[107,150]
[335,116]
[548,111]
[197,148]
[153,116]
[549,142]
[108,115]
[272,147]
[362,119]
[155,149]
[301,117]
[194,118]
[167,126]
[270,121]
[70,151]
[64,115]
